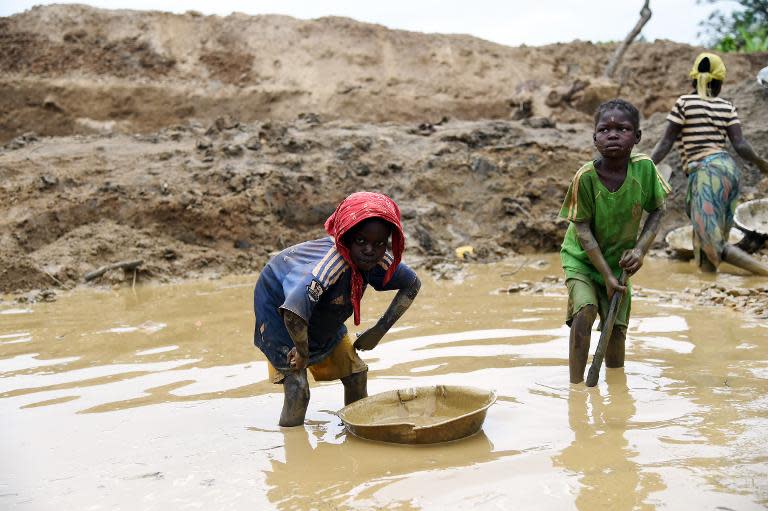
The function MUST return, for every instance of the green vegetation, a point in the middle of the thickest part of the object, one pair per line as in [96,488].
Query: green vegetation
[743,30]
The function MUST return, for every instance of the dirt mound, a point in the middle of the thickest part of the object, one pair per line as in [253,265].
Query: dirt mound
[202,144]
[195,199]
[71,69]
[231,193]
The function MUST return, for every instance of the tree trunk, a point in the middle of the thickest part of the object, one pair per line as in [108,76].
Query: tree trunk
[645,15]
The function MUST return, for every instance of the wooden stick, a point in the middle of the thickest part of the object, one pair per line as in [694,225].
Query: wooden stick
[605,335]
[645,15]
[126,265]
[54,279]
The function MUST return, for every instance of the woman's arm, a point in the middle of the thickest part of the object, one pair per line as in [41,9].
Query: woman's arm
[667,141]
[743,148]
[400,303]
[590,246]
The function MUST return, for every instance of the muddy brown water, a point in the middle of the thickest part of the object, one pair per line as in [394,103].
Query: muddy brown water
[155,398]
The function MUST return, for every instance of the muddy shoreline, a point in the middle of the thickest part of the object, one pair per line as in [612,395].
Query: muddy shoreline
[200,201]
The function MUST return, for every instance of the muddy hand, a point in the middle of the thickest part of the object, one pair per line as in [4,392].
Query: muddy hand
[295,360]
[612,286]
[368,339]
[631,260]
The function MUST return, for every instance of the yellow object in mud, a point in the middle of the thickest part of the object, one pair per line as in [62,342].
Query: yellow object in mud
[465,250]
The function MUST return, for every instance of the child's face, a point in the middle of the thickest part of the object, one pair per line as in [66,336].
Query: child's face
[615,135]
[368,243]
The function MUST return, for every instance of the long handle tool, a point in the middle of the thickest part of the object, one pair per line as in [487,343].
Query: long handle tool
[605,334]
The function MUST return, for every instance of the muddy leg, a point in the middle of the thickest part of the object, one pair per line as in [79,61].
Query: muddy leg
[706,265]
[751,242]
[355,387]
[578,349]
[737,257]
[296,398]
[614,352]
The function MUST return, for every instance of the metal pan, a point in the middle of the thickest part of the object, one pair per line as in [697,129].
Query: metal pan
[680,240]
[420,415]
[752,217]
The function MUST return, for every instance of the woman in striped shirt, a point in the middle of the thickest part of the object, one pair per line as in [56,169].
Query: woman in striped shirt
[702,123]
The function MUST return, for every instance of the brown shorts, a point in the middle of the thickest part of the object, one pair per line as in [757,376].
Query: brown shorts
[342,362]
[584,291]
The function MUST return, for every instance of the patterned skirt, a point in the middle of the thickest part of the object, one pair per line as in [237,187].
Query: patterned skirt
[713,189]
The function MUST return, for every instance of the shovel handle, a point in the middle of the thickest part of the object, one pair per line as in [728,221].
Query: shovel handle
[605,334]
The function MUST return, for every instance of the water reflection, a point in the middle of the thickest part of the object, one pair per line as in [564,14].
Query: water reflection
[600,456]
[728,416]
[320,466]
[146,382]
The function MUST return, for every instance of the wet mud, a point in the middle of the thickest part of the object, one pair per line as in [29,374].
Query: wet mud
[154,397]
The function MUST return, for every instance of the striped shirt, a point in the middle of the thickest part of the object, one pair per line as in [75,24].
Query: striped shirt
[704,122]
[313,281]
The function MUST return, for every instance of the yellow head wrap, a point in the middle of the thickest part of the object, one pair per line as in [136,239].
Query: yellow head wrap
[716,72]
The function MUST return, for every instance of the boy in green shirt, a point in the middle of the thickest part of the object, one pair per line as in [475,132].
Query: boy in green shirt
[604,205]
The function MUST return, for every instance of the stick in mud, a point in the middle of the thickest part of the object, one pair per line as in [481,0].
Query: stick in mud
[126,265]
[613,64]
[605,335]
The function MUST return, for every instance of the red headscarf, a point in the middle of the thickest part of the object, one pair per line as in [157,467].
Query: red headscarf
[354,209]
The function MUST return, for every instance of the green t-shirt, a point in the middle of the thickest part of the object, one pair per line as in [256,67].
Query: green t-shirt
[613,217]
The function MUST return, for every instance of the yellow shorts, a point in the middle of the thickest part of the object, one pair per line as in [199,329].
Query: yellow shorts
[342,362]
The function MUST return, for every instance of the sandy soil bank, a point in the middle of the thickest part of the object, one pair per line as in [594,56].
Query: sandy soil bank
[199,145]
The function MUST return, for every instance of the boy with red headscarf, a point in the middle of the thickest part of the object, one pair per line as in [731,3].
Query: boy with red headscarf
[306,293]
